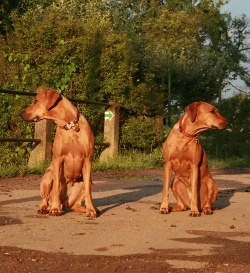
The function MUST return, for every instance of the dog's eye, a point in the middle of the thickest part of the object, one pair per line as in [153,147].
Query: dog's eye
[213,111]
[35,101]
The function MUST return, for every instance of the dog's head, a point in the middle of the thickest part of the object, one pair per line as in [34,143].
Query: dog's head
[206,115]
[43,102]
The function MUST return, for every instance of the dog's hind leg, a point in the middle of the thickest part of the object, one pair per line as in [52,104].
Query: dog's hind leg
[182,196]
[208,195]
[45,190]
[75,197]
[87,168]
[164,208]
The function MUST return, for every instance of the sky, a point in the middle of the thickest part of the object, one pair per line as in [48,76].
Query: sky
[237,8]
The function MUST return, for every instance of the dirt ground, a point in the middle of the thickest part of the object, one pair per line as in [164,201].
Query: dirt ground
[129,235]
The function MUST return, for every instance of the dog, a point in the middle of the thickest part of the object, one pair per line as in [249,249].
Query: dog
[193,186]
[67,180]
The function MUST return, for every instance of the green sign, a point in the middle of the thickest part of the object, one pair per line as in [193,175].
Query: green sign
[108,115]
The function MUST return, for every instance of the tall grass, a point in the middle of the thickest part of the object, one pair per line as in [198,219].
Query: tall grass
[229,163]
[129,160]
[154,160]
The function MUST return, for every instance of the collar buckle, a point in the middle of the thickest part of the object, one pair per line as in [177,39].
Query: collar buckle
[73,124]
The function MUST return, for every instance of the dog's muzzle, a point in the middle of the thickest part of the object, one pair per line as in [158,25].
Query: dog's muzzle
[36,119]
[27,117]
[221,126]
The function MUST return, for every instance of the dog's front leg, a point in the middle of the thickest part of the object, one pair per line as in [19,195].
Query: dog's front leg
[56,188]
[195,176]
[45,190]
[87,168]
[208,195]
[194,188]
[165,192]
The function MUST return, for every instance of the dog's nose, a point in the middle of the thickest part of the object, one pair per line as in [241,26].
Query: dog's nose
[223,125]
[22,115]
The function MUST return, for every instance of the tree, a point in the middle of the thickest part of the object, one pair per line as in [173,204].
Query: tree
[238,48]
[125,51]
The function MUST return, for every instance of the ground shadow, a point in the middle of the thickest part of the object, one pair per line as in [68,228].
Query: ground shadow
[132,194]
[224,196]
[20,200]
[135,193]
[227,189]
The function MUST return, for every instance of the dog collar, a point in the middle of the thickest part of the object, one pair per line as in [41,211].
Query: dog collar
[72,124]
[183,131]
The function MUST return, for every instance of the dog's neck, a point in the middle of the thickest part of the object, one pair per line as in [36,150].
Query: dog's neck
[68,117]
[73,124]
[193,133]
[181,129]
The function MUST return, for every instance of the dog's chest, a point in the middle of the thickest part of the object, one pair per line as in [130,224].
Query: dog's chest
[68,142]
[71,152]
[182,168]
[72,168]
[182,151]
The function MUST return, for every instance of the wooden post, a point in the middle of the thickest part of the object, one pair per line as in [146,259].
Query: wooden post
[111,132]
[42,151]
[43,131]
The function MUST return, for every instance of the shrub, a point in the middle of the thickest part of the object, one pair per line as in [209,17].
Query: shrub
[140,133]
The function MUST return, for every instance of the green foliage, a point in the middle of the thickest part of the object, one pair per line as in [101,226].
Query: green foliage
[131,160]
[11,162]
[229,163]
[237,138]
[140,133]
[11,122]
[123,51]
[234,141]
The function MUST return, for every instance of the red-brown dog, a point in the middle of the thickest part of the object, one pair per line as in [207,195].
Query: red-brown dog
[193,186]
[67,181]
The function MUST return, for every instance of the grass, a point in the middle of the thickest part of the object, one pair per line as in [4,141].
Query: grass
[130,161]
[155,161]
[127,161]
[230,163]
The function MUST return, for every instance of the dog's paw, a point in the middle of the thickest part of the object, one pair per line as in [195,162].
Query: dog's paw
[164,211]
[43,209]
[55,212]
[208,212]
[92,213]
[195,214]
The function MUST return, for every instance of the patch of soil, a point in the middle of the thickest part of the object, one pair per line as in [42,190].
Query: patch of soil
[225,260]
[230,255]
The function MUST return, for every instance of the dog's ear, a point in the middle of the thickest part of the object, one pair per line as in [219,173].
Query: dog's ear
[191,110]
[52,97]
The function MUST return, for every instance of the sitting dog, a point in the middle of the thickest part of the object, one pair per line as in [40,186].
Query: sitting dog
[67,181]
[193,186]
